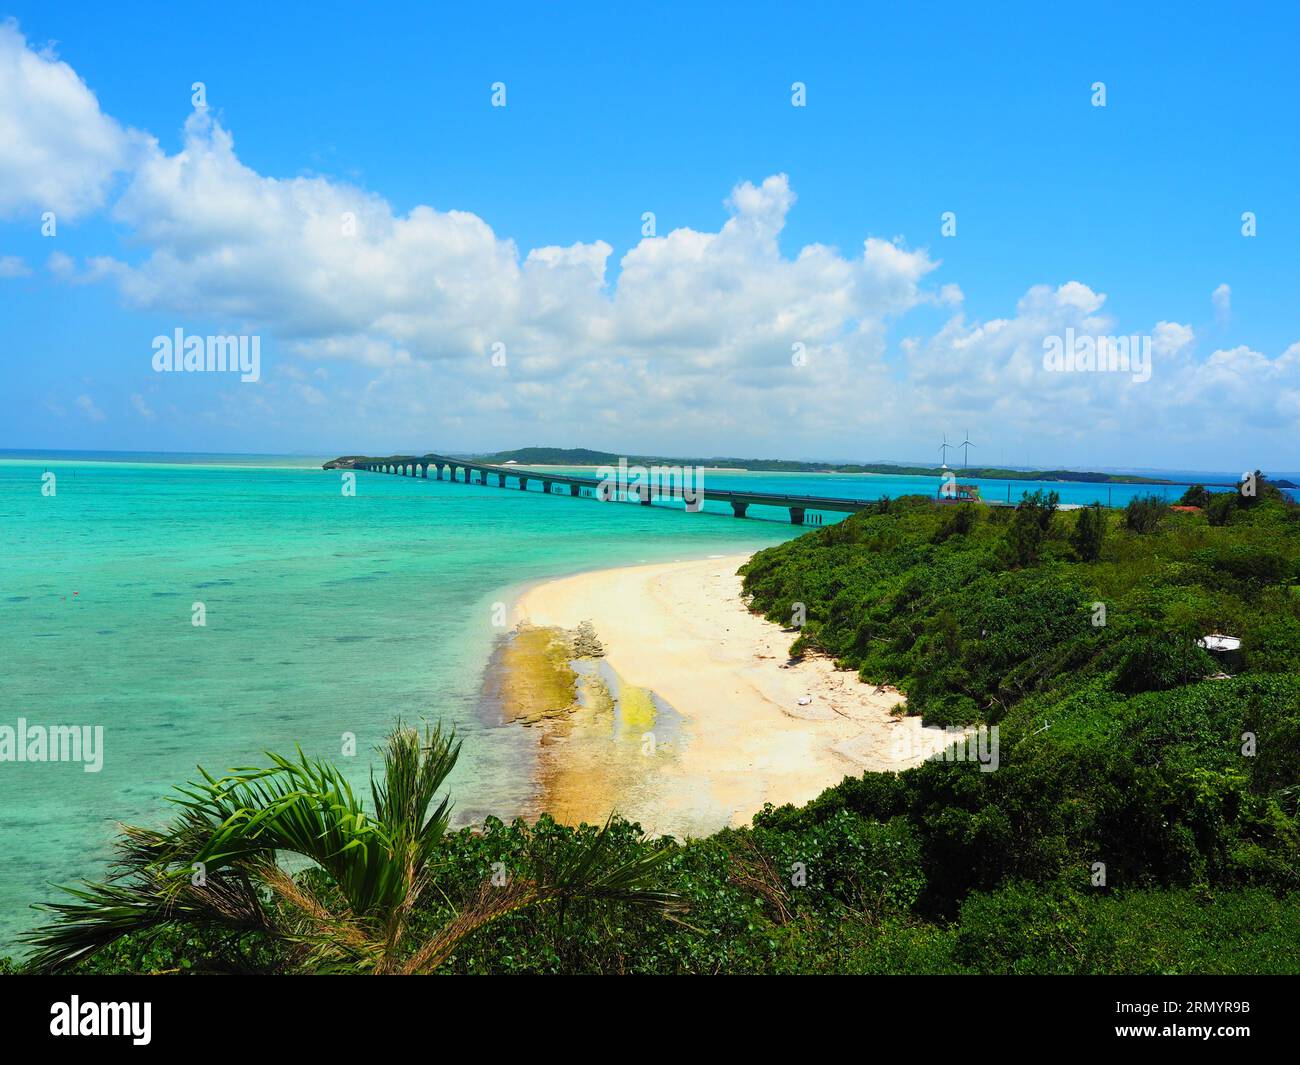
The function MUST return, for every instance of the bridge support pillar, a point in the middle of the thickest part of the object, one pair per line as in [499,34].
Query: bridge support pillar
[574,488]
[501,480]
[796,515]
[738,508]
[424,471]
[546,487]
[523,484]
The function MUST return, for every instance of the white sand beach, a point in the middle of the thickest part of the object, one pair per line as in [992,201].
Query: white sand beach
[682,630]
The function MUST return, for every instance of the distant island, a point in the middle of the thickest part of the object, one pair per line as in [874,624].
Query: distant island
[581,456]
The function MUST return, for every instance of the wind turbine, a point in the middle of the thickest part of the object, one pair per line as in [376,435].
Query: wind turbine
[964,445]
[943,451]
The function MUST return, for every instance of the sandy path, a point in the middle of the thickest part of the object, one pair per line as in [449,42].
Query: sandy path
[682,630]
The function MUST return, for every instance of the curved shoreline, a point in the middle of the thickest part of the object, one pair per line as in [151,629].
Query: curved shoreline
[682,631]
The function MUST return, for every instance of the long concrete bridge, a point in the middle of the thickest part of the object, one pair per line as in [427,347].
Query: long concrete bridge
[803,509]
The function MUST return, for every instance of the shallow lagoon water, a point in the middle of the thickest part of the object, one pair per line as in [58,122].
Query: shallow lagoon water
[327,616]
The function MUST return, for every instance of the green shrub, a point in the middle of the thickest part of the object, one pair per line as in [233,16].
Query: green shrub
[1089,531]
[1161,660]
[1143,513]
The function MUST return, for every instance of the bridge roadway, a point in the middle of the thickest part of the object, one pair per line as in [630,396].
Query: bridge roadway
[419,465]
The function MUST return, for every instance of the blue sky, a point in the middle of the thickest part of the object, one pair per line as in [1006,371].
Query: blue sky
[911,111]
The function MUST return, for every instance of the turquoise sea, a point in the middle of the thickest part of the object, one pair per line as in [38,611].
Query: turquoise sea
[326,615]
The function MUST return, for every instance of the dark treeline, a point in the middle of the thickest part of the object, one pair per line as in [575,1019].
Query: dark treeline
[581,456]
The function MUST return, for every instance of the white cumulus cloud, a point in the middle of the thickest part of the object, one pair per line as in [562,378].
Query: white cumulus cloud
[58,150]
[712,333]
[1221,297]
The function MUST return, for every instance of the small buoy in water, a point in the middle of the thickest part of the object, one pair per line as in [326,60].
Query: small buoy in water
[804,700]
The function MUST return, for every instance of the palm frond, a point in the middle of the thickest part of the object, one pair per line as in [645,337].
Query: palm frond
[143,896]
[217,866]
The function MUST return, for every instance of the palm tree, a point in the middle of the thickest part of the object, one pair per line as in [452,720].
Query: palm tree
[220,867]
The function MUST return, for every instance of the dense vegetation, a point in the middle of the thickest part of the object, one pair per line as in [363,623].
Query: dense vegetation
[1142,817]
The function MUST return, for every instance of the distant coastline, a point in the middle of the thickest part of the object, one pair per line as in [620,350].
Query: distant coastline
[585,458]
